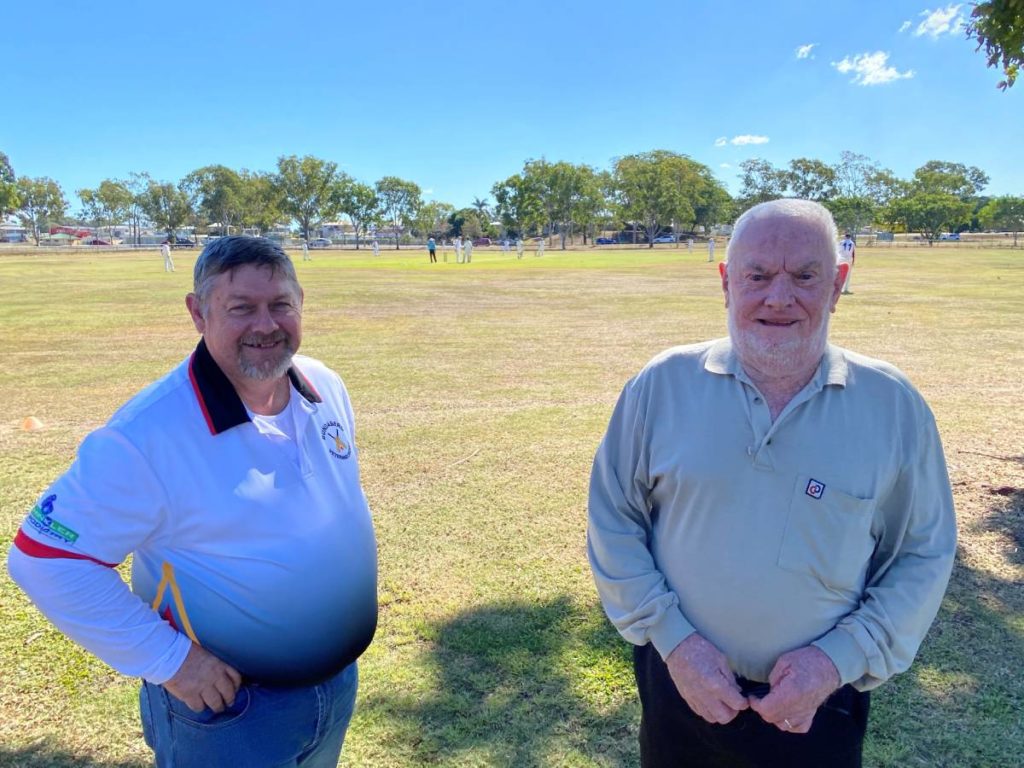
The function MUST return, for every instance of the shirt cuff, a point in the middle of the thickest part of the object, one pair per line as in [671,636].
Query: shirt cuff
[167,666]
[670,632]
[840,646]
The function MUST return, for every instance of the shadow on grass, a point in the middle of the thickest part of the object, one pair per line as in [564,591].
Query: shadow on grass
[522,684]
[1007,518]
[43,755]
[962,704]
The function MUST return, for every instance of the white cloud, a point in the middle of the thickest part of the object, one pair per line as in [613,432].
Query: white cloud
[871,69]
[428,191]
[724,165]
[740,141]
[804,51]
[905,26]
[941,21]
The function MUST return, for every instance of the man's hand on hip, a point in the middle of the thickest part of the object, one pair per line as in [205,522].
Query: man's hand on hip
[800,682]
[704,680]
[204,681]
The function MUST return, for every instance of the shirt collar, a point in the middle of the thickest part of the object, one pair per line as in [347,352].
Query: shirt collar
[221,406]
[722,359]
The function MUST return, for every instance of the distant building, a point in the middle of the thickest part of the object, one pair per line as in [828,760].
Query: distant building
[13,233]
[339,231]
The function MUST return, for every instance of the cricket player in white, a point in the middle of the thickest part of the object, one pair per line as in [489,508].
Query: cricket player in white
[165,251]
[847,255]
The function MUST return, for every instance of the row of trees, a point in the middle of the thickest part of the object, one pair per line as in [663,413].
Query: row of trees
[939,197]
[649,193]
[656,191]
[304,190]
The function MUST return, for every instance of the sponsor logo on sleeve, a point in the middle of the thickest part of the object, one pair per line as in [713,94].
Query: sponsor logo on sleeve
[815,488]
[337,441]
[41,519]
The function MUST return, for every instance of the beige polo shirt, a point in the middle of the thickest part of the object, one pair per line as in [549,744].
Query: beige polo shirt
[832,526]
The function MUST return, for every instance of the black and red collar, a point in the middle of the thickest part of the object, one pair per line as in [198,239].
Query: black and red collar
[221,406]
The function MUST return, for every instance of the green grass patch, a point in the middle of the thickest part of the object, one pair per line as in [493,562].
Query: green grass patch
[481,392]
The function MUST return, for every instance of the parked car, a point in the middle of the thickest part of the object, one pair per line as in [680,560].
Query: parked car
[606,241]
[665,239]
[96,241]
[183,242]
[320,242]
[481,241]
[949,236]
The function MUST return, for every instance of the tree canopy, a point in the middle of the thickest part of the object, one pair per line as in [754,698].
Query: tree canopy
[931,213]
[661,189]
[307,189]
[8,188]
[518,205]
[433,217]
[360,203]
[40,203]
[1004,213]
[567,194]
[108,203]
[166,205]
[760,181]
[998,27]
[399,202]
[218,195]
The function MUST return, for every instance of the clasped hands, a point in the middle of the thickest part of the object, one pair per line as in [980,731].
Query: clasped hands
[800,682]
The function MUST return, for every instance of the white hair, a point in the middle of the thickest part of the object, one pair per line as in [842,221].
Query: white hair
[813,213]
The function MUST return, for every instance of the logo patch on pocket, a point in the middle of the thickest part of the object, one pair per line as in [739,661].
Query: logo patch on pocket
[815,489]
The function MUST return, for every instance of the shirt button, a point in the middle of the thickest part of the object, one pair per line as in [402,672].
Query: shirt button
[757,399]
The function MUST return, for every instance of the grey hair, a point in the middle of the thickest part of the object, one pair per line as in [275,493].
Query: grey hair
[808,210]
[226,254]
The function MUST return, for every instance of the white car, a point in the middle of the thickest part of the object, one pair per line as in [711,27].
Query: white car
[320,242]
[665,239]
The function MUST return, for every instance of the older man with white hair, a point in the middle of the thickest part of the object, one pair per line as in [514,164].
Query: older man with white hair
[771,522]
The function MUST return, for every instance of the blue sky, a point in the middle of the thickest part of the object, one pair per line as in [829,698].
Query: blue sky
[457,95]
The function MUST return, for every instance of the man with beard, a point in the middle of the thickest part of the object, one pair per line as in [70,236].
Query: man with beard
[771,522]
[233,482]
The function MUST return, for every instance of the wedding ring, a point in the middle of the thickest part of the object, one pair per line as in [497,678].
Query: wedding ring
[788,724]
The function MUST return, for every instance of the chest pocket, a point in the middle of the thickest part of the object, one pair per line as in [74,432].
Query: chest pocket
[828,535]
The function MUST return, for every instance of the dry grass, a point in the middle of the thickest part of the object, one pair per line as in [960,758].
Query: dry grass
[480,395]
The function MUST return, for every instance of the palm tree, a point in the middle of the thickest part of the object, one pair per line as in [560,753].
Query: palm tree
[482,208]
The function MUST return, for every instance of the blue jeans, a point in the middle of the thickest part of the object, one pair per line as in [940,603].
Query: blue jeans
[264,728]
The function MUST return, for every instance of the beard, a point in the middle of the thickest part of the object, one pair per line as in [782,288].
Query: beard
[269,367]
[783,358]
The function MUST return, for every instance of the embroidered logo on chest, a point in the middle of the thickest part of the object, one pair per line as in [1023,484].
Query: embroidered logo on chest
[815,489]
[335,438]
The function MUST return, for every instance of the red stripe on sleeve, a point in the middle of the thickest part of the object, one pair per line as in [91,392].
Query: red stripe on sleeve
[33,548]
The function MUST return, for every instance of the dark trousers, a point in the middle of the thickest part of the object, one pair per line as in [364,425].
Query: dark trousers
[672,736]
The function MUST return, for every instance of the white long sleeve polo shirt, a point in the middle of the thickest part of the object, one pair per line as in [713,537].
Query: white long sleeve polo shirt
[265,557]
[832,525]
